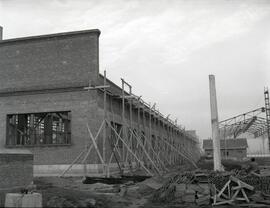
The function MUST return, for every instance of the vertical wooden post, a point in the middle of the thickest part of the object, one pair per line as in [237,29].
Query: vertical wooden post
[32,130]
[145,134]
[139,131]
[150,125]
[129,136]
[123,116]
[105,117]
[170,138]
[214,123]
[85,161]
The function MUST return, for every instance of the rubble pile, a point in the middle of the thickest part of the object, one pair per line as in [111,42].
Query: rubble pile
[184,188]
[260,183]
[216,188]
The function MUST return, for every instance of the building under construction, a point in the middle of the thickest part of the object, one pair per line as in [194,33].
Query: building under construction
[54,102]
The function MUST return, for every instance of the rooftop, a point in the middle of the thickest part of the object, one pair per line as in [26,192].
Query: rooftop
[240,143]
[47,36]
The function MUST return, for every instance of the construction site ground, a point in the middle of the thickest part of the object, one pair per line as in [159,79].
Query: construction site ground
[175,188]
[155,192]
[71,192]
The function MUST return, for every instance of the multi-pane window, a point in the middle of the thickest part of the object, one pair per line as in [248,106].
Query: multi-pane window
[36,129]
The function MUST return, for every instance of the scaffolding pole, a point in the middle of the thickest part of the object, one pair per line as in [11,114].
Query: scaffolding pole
[164,144]
[105,170]
[267,112]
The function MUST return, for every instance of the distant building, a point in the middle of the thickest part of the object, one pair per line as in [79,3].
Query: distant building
[230,148]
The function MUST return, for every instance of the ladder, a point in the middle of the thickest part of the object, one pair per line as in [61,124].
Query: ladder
[267,111]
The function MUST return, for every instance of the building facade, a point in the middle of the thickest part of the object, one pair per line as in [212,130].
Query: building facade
[229,148]
[53,101]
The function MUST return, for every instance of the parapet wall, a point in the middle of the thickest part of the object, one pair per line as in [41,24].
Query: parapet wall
[49,61]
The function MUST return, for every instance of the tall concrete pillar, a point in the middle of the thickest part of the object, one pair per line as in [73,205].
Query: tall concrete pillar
[214,124]
[1,33]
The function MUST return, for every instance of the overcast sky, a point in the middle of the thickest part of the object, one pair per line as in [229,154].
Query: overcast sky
[167,49]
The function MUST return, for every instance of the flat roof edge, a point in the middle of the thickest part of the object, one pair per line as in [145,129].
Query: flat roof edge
[53,35]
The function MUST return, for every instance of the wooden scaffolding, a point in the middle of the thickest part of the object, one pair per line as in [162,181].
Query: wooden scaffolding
[151,147]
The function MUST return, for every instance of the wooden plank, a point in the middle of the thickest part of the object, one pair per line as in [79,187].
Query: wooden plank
[245,195]
[74,161]
[147,155]
[156,155]
[104,117]
[96,87]
[95,144]
[129,142]
[135,156]
[224,202]
[251,205]
[96,137]
[223,189]
[241,183]
[181,154]
[115,148]
[235,194]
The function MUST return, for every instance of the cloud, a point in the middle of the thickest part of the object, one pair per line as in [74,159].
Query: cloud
[166,49]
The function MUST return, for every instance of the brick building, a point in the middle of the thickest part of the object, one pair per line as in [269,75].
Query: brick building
[45,105]
[229,148]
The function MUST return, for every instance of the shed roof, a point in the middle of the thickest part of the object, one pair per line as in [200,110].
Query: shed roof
[240,143]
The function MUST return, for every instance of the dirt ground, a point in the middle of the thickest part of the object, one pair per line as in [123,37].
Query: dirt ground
[71,192]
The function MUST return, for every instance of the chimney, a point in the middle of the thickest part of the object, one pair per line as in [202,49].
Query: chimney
[1,33]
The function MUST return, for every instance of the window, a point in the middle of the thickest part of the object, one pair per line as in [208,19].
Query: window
[35,129]
[153,141]
[118,128]
[143,138]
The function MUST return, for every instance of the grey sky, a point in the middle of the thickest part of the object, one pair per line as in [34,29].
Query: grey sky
[167,49]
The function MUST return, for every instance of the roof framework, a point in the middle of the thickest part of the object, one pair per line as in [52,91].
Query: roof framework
[256,122]
[253,122]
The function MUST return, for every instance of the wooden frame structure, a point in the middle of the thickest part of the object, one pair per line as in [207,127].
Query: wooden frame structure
[144,146]
[232,192]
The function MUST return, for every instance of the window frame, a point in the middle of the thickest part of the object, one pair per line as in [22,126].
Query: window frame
[12,142]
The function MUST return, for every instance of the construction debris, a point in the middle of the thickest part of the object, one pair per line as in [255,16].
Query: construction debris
[216,188]
[231,192]
[183,187]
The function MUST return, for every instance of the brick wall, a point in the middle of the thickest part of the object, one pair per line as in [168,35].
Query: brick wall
[16,170]
[114,113]
[49,61]
[58,62]
[68,60]
[232,153]
[83,107]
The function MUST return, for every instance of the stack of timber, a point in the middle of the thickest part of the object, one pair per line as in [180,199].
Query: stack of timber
[214,188]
